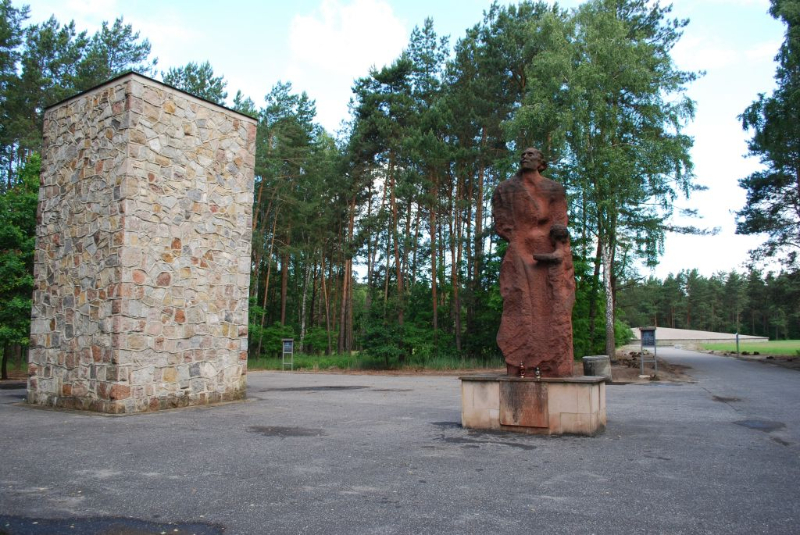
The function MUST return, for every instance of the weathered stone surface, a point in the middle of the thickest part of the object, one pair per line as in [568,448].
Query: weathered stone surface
[537,279]
[141,233]
[597,365]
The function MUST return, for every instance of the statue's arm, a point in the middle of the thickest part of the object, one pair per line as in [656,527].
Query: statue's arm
[503,214]
[559,233]
[558,207]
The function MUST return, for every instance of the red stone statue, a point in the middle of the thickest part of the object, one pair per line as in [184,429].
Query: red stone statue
[537,280]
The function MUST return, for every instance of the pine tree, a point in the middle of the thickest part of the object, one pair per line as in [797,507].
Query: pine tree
[199,80]
[773,194]
[607,100]
[17,238]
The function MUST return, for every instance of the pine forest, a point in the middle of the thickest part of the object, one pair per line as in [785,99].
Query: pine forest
[378,238]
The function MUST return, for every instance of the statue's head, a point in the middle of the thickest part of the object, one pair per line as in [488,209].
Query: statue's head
[532,160]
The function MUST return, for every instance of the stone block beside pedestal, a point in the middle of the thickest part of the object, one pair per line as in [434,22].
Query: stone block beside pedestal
[546,406]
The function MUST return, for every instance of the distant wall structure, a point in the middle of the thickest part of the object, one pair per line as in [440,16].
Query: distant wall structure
[666,336]
[142,264]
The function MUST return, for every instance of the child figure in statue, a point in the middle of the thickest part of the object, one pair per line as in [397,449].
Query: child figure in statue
[537,280]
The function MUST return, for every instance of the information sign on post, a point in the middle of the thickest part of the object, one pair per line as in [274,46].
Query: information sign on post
[288,353]
[648,340]
[648,337]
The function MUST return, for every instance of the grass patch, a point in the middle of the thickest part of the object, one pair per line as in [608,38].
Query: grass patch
[360,361]
[789,348]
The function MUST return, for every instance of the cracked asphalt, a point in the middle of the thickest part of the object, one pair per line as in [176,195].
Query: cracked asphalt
[327,453]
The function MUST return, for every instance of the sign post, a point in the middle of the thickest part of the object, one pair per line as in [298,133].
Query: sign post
[649,339]
[288,353]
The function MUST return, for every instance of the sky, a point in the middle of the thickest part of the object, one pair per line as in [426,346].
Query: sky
[322,46]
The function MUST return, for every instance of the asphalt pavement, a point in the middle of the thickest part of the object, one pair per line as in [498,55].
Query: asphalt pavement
[327,453]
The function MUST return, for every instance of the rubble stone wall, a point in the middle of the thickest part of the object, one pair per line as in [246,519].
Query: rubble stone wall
[142,264]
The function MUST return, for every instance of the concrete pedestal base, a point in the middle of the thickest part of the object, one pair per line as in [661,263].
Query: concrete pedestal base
[547,406]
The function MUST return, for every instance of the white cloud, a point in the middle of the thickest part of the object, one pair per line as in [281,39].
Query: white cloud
[349,38]
[92,7]
[760,3]
[709,53]
[172,41]
[764,51]
[702,54]
[337,43]
[87,14]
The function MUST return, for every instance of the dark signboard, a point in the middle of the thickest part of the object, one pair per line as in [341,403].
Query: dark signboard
[648,337]
[288,345]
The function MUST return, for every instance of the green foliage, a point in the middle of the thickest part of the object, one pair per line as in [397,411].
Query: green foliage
[308,362]
[42,64]
[606,96]
[622,333]
[585,341]
[199,80]
[267,340]
[726,302]
[773,194]
[112,51]
[362,361]
[17,239]
[245,105]
[384,339]
[403,194]
[316,340]
[272,337]
[784,347]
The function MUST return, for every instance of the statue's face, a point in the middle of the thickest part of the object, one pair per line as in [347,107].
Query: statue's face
[532,159]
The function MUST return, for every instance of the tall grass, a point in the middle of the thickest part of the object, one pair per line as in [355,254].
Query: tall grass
[361,361]
[789,348]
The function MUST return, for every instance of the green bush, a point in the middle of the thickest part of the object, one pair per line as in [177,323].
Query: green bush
[316,340]
[622,333]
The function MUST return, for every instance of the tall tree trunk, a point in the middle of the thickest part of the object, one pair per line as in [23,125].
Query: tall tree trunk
[350,229]
[386,272]
[370,259]
[266,284]
[327,306]
[4,366]
[395,238]
[285,275]
[713,319]
[688,314]
[346,313]
[455,245]
[434,272]
[442,257]
[259,251]
[349,343]
[585,228]
[306,280]
[593,291]
[342,343]
[258,254]
[607,268]
[478,247]
[404,261]
[415,246]
[314,307]
[375,248]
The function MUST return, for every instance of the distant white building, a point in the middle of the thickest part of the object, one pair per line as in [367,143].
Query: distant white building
[671,337]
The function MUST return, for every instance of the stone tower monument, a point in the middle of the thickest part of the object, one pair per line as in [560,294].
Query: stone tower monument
[142,263]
